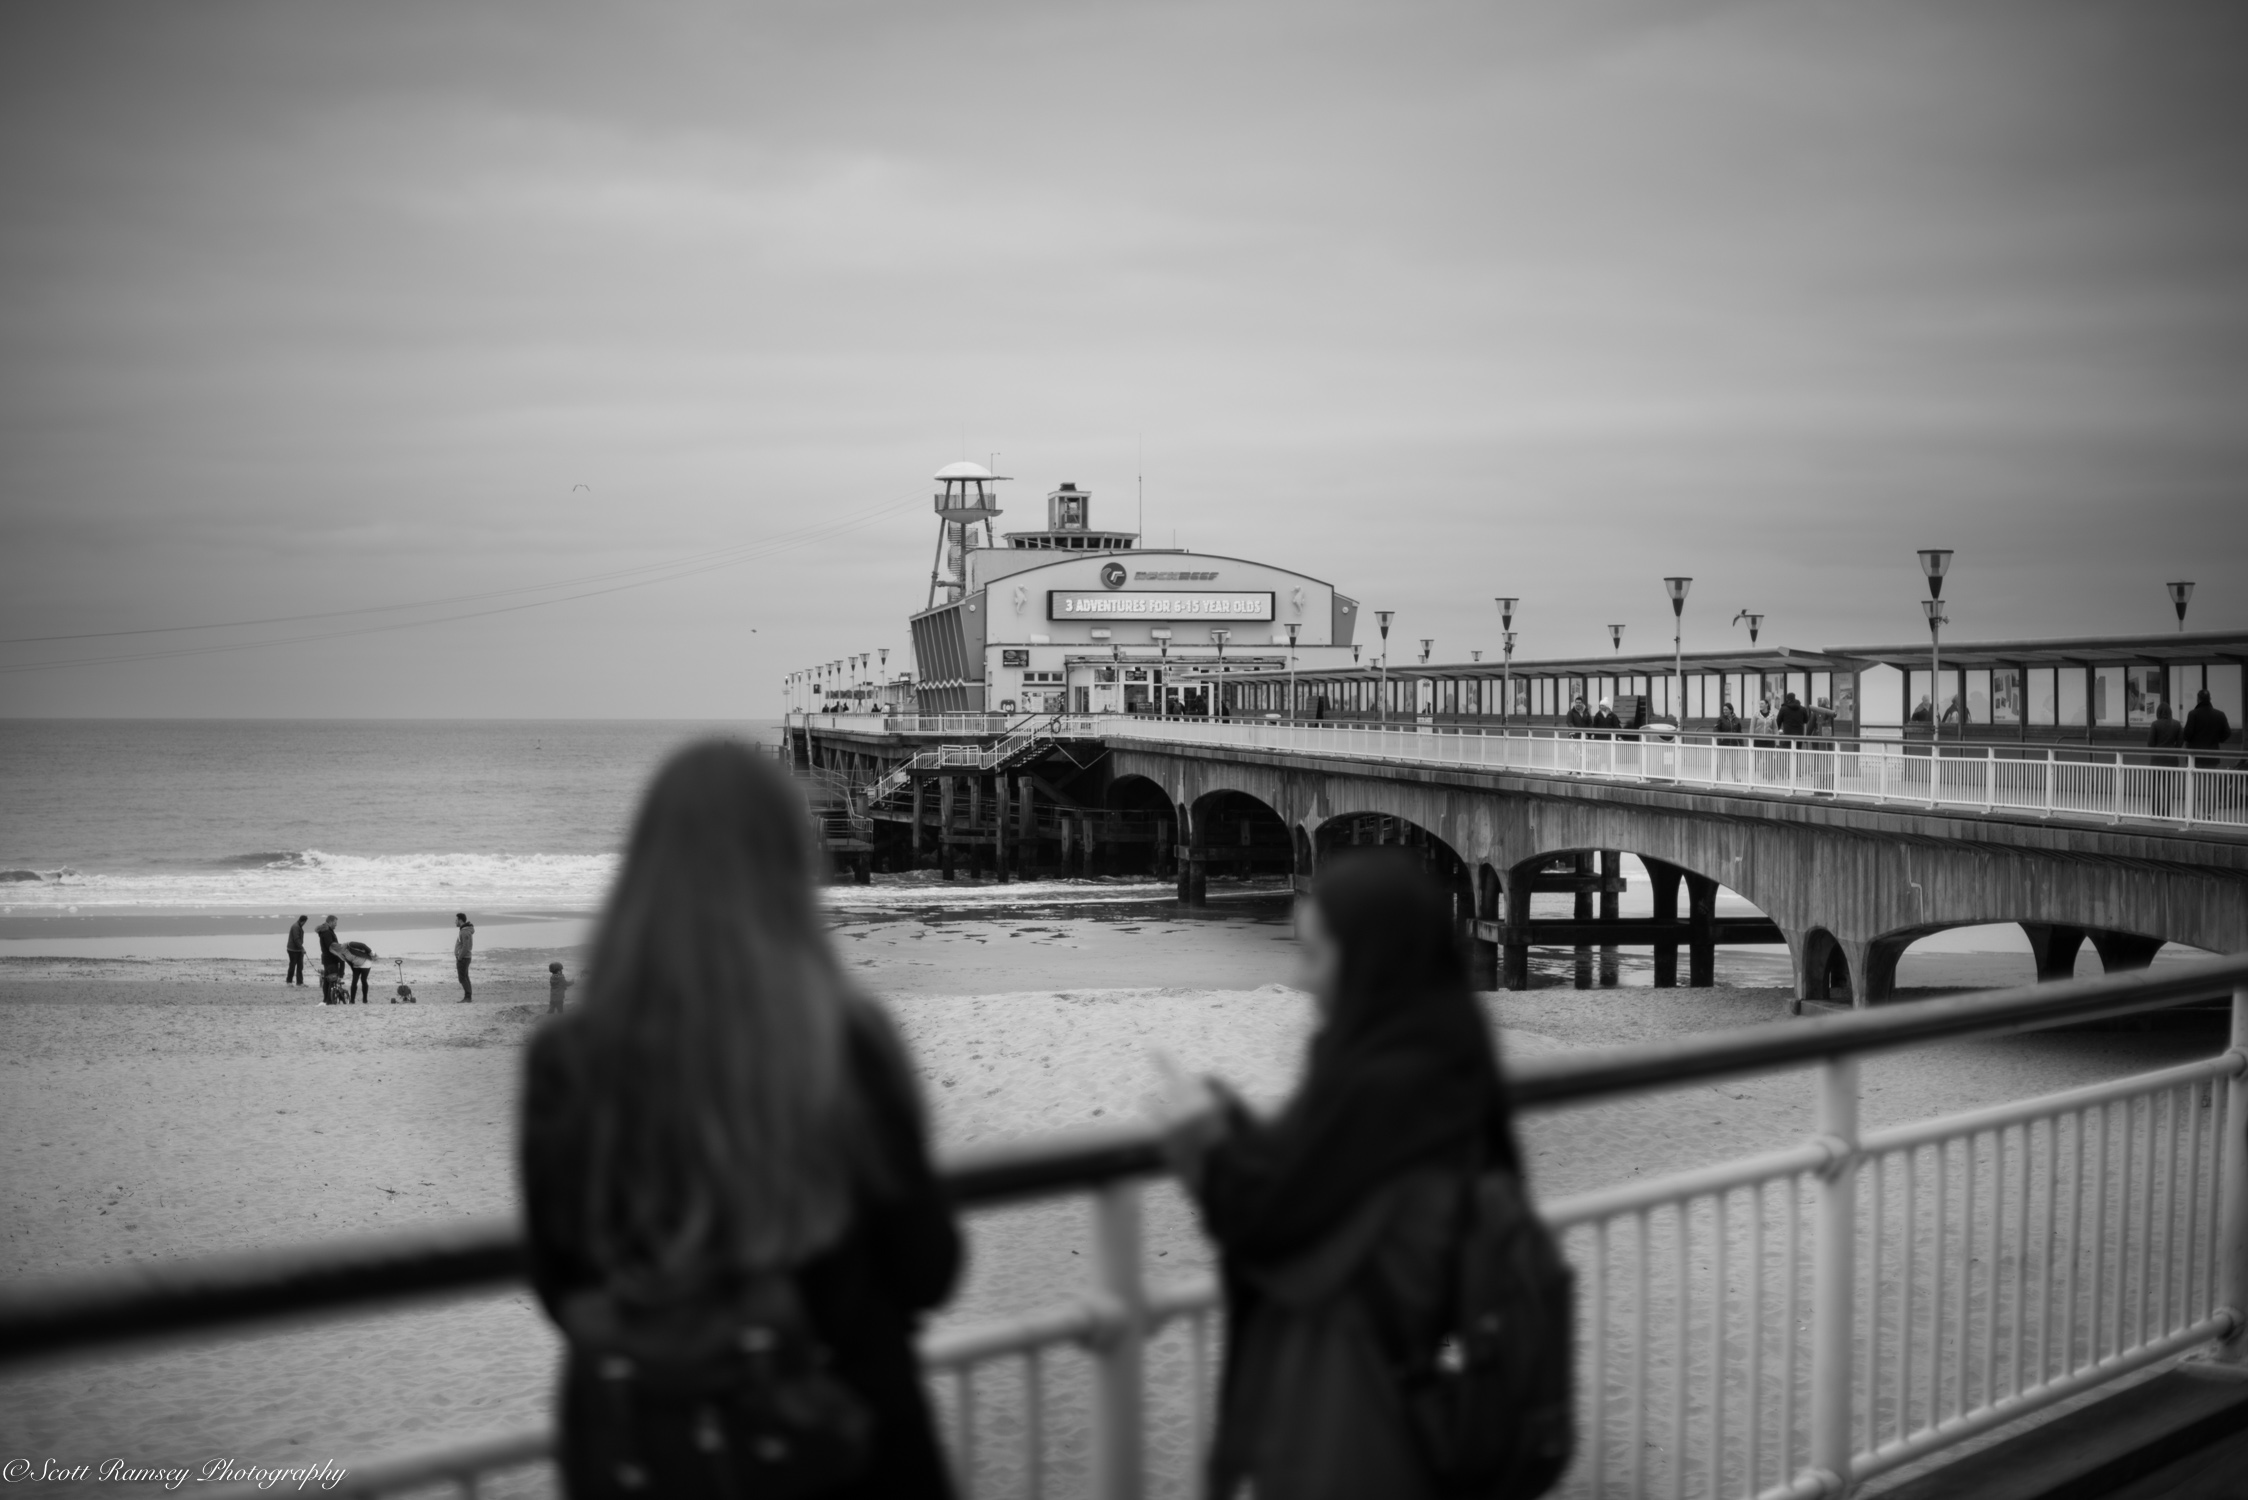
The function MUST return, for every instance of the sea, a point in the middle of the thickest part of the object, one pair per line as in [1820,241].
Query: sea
[122,816]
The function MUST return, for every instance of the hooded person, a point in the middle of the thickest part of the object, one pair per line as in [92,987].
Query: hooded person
[1606,717]
[1334,1217]
[2206,727]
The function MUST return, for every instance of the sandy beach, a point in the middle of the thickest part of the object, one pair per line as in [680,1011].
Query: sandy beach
[159,1107]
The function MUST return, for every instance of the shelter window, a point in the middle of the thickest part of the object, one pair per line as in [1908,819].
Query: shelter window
[2043,707]
[2184,683]
[1978,695]
[1822,689]
[2006,695]
[2224,691]
[2071,695]
[2107,695]
[2143,689]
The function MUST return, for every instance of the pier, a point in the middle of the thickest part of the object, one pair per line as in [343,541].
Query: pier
[1850,849]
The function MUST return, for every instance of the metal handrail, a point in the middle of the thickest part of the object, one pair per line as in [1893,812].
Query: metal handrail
[185,1296]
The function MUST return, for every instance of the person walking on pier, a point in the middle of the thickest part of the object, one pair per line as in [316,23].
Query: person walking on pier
[296,953]
[1335,1220]
[723,1148]
[1606,719]
[2206,728]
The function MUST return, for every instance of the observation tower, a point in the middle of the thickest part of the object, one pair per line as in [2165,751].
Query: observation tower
[965,501]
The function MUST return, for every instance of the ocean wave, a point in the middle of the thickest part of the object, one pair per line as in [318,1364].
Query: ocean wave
[312,877]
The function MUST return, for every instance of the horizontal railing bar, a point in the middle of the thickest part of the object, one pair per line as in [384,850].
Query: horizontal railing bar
[1944,1434]
[1579,1077]
[1066,1323]
[2068,1101]
[164,1298]
[1682,1187]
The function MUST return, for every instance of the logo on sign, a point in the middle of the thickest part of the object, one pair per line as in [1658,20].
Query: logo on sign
[1113,575]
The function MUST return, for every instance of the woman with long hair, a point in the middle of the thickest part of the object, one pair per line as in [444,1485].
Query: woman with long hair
[1334,1218]
[731,1208]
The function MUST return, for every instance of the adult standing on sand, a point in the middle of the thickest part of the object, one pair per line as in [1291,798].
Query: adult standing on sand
[331,960]
[464,943]
[296,952]
[725,1142]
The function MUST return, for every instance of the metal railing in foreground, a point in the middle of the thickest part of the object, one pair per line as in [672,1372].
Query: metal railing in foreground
[1788,1324]
[2043,782]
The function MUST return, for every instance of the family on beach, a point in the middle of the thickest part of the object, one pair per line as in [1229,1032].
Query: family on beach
[734,1220]
[338,956]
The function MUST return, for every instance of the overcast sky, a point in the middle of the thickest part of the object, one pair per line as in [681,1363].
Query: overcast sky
[319,308]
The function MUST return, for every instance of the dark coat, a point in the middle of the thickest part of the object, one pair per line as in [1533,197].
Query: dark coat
[865,1295]
[1354,1185]
[2165,735]
[1578,718]
[1794,718]
[1606,719]
[2207,728]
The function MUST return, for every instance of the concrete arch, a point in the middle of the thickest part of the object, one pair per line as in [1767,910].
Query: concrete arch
[1234,833]
[1822,964]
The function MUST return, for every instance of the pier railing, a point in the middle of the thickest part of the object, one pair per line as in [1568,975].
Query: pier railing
[2183,790]
[1786,1325]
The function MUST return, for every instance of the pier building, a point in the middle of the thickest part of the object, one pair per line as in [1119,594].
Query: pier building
[1070,618]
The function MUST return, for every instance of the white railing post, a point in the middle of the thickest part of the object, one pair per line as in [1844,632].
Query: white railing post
[1118,1378]
[2232,1192]
[1834,1277]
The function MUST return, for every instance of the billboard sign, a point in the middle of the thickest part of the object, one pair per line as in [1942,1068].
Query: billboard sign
[1143,604]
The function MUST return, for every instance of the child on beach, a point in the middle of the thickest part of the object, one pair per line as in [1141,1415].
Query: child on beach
[555,985]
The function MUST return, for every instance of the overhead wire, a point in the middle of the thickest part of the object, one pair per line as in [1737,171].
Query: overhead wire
[673,570]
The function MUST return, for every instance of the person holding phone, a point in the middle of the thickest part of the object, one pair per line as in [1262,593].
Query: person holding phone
[1333,1217]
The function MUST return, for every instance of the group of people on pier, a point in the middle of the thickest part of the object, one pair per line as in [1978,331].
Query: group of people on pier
[735,1221]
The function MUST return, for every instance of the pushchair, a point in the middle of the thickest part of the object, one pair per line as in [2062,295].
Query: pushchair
[404,994]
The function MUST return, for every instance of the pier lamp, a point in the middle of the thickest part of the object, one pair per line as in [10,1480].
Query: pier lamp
[2179,593]
[1934,610]
[1616,636]
[1475,656]
[1219,635]
[1161,635]
[1678,588]
[1935,562]
[1428,644]
[1506,605]
[1293,627]
[1755,623]
[1382,617]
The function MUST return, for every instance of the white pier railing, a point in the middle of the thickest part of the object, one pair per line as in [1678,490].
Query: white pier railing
[2182,790]
[1790,1324]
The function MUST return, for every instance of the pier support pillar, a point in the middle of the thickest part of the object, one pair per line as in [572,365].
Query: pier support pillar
[1194,858]
[1611,909]
[920,807]
[1003,853]
[1581,909]
[1701,942]
[1663,880]
[946,791]
[1483,954]
[1514,953]
[975,824]
[2054,948]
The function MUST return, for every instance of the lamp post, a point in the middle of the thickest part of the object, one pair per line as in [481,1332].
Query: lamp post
[1219,635]
[2180,592]
[1382,617]
[1162,637]
[1292,627]
[1428,644]
[1506,635]
[1678,588]
[1616,637]
[1935,562]
[1755,623]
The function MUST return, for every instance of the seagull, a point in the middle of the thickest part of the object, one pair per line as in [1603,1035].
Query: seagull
[586,487]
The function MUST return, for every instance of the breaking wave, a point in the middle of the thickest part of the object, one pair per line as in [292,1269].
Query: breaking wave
[314,877]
